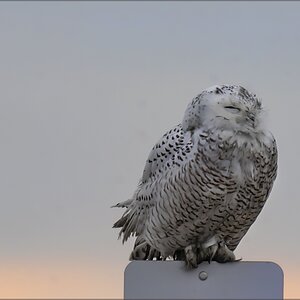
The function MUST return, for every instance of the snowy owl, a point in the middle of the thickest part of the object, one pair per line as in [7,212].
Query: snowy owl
[205,181]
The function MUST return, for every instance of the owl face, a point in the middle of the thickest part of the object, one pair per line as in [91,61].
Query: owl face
[233,110]
[224,107]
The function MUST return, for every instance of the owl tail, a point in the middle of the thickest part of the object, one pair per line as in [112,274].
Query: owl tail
[128,222]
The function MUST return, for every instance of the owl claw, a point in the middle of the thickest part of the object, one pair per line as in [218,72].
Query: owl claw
[224,255]
[236,260]
[212,251]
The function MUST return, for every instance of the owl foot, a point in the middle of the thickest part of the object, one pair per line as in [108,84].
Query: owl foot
[191,258]
[210,251]
[207,254]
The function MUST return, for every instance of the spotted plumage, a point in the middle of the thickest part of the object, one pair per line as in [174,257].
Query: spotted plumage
[205,181]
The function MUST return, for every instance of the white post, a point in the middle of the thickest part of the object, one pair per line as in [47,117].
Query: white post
[171,280]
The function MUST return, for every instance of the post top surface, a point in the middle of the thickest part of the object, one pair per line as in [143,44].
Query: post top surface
[171,280]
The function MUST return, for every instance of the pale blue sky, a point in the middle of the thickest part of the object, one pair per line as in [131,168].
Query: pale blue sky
[87,88]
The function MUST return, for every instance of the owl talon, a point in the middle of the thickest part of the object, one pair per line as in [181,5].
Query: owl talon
[212,251]
[237,260]
[224,255]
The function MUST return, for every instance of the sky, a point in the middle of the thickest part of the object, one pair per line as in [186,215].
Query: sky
[87,88]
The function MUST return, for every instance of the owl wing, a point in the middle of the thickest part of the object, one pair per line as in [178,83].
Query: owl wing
[165,149]
[170,151]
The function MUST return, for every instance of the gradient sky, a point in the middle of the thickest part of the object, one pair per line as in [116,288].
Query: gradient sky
[87,88]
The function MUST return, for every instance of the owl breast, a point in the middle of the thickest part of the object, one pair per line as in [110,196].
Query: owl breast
[250,161]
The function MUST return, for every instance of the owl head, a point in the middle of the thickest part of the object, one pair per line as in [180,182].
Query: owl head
[228,107]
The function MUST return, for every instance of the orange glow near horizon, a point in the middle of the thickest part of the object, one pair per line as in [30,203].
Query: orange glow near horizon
[58,280]
[79,280]
[291,284]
